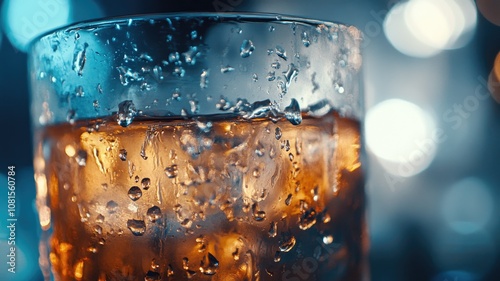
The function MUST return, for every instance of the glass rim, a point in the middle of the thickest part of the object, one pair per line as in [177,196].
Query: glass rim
[255,17]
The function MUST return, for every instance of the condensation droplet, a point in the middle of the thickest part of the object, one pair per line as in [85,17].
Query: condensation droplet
[307,219]
[226,69]
[278,133]
[288,199]
[287,242]
[79,59]
[99,219]
[236,254]
[111,206]
[123,154]
[187,223]
[255,77]
[145,183]
[271,76]
[137,227]
[277,256]
[204,79]
[305,39]
[209,265]
[152,276]
[292,112]
[81,158]
[71,116]
[154,213]
[134,193]
[246,48]
[258,215]
[98,229]
[281,52]
[276,65]
[126,113]
[171,171]
[273,229]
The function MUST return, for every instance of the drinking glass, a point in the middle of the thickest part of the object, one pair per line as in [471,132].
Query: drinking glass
[201,147]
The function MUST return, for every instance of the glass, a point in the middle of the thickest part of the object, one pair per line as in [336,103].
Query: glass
[201,147]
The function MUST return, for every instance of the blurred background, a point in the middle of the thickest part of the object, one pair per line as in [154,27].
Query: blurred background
[432,129]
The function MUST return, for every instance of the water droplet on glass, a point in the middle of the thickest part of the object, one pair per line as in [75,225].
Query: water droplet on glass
[339,88]
[236,254]
[314,193]
[276,65]
[190,273]
[123,154]
[307,219]
[79,92]
[145,183]
[305,39]
[290,74]
[79,59]
[204,79]
[134,193]
[194,34]
[273,229]
[278,133]
[288,199]
[145,57]
[259,150]
[187,223]
[126,113]
[99,219]
[171,171]
[179,71]
[246,48]
[277,256]
[111,206]
[137,227]
[287,242]
[281,52]
[152,276]
[255,77]
[257,214]
[272,28]
[185,263]
[176,94]
[98,229]
[173,57]
[227,68]
[292,113]
[81,158]
[194,106]
[154,213]
[271,76]
[170,270]
[71,116]
[209,265]
[191,55]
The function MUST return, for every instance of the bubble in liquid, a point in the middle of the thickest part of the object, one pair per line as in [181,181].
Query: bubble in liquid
[152,276]
[246,49]
[111,206]
[176,94]
[145,183]
[179,72]
[81,158]
[137,227]
[123,154]
[134,193]
[278,133]
[314,193]
[171,171]
[273,229]
[281,52]
[287,242]
[173,57]
[126,113]
[145,57]
[209,265]
[154,213]
[292,112]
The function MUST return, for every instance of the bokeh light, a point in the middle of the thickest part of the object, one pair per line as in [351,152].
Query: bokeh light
[27,19]
[424,28]
[467,206]
[400,134]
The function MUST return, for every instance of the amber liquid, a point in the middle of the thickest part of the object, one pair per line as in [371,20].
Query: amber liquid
[226,199]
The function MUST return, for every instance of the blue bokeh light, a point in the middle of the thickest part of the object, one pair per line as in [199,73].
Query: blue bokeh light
[25,20]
